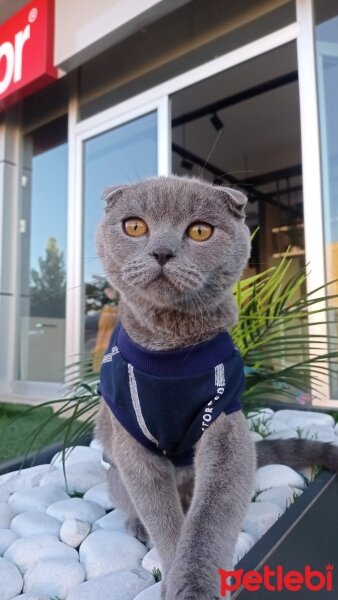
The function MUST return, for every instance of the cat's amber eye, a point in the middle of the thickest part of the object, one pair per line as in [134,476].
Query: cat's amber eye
[199,232]
[135,227]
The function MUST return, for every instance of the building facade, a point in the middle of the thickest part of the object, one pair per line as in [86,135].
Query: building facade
[239,92]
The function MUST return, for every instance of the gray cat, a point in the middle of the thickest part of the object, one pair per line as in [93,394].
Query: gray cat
[173,248]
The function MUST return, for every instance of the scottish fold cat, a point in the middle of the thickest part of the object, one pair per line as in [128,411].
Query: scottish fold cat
[171,379]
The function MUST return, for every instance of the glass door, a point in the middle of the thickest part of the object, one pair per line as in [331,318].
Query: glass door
[124,154]
[112,150]
[327,73]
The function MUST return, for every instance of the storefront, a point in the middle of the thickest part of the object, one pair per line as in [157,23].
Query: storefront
[238,92]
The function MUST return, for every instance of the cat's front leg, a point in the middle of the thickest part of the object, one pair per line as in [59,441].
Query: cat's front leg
[150,481]
[225,465]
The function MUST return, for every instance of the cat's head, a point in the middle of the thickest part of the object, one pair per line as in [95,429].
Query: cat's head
[169,241]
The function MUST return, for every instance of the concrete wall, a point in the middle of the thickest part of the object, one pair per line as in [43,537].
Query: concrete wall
[85,28]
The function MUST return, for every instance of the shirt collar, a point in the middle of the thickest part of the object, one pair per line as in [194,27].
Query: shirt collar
[188,361]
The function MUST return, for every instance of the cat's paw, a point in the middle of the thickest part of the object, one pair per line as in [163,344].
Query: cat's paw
[136,528]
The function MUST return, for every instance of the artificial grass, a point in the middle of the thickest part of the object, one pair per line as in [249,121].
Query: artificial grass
[18,426]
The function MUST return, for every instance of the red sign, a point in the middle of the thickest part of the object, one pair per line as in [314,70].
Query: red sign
[26,52]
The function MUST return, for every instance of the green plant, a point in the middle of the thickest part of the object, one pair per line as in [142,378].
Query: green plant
[307,436]
[261,426]
[282,356]
[157,574]
[18,430]
[295,496]
[76,494]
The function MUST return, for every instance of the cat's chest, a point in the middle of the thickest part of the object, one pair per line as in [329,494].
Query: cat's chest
[168,413]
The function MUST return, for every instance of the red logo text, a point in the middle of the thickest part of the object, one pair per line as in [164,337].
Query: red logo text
[276,580]
[26,51]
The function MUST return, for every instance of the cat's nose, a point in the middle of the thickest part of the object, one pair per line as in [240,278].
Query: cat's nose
[162,255]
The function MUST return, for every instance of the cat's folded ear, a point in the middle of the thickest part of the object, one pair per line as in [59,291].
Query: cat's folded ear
[236,201]
[109,195]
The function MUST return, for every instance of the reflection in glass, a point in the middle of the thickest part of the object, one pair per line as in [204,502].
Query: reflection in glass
[122,155]
[41,352]
[327,74]
[256,147]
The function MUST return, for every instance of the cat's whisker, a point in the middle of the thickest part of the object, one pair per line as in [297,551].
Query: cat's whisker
[211,151]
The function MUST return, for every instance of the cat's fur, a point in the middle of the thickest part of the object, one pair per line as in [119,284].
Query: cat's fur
[193,302]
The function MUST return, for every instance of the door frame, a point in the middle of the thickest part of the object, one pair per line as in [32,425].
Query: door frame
[82,132]
[324,50]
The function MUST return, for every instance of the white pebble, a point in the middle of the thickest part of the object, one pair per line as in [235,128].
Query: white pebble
[54,576]
[152,561]
[257,437]
[4,495]
[31,597]
[73,532]
[35,523]
[27,551]
[36,499]
[24,478]
[99,494]
[5,477]
[320,433]
[272,476]
[105,552]
[10,580]
[245,541]
[80,477]
[75,455]
[114,520]
[76,508]
[260,517]
[7,537]
[124,585]
[96,444]
[275,426]
[151,593]
[283,496]
[6,515]
[105,464]
[302,418]
[260,418]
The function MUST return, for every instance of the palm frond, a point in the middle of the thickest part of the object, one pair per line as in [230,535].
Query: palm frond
[284,354]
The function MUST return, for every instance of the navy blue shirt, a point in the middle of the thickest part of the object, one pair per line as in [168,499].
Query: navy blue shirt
[167,399]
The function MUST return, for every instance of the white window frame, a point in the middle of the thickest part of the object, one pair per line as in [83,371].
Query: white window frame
[312,175]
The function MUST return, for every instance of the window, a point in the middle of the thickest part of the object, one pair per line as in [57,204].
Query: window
[121,155]
[327,80]
[43,231]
